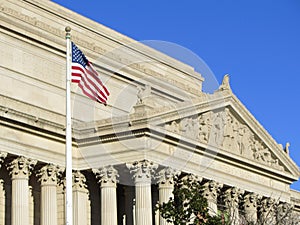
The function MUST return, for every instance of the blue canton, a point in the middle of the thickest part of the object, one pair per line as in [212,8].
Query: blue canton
[78,56]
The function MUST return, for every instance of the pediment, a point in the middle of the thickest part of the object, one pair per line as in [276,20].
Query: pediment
[231,128]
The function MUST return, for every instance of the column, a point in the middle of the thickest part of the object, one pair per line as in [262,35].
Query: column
[142,172]
[107,177]
[165,188]
[210,192]
[48,178]
[250,207]
[80,199]
[2,191]
[231,202]
[20,171]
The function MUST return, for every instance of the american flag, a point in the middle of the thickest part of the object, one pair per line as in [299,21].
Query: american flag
[87,77]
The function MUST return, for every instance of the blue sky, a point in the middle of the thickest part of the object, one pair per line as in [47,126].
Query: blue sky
[256,42]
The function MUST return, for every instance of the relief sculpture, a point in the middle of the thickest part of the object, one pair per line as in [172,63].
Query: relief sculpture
[225,131]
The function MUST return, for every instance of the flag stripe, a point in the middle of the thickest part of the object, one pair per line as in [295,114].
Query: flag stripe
[87,77]
[88,86]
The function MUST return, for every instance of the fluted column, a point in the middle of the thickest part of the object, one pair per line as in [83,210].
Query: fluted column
[142,172]
[80,199]
[250,207]
[48,178]
[2,191]
[165,188]
[20,171]
[107,177]
[210,192]
[231,201]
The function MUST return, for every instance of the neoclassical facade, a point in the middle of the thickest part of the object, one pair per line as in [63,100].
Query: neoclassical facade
[158,125]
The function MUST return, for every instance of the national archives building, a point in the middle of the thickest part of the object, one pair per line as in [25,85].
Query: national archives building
[158,124]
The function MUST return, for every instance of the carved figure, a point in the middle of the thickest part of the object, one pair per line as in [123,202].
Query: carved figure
[287,150]
[204,127]
[172,127]
[143,94]
[225,83]
[228,131]
[262,154]
[217,129]
[186,127]
[245,141]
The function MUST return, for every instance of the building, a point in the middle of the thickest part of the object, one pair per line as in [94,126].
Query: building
[158,122]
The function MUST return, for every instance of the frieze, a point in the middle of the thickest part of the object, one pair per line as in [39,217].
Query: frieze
[223,130]
[93,47]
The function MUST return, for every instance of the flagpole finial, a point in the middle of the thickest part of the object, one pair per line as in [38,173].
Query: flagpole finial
[68,32]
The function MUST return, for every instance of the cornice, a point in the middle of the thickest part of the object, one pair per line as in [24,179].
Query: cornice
[44,22]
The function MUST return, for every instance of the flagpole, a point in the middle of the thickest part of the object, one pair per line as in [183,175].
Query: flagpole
[68,202]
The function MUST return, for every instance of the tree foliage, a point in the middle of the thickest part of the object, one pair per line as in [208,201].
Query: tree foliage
[188,206]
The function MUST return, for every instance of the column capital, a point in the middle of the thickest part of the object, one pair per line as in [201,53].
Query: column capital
[142,170]
[231,196]
[250,200]
[165,177]
[21,167]
[48,174]
[211,188]
[79,181]
[107,176]
[191,178]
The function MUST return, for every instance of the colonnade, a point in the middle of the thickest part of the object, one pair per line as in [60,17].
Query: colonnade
[232,199]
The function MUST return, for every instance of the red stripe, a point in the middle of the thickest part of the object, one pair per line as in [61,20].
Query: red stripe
[87,72]
[86,85]
[97,77]
[95,85]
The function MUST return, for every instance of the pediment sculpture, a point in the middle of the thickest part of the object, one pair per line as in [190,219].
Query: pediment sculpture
[222,129]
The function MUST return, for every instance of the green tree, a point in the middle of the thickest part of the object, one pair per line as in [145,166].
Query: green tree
[188,205]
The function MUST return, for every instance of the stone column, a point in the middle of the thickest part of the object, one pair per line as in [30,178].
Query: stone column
[250,207]
[48,178]
[210,192]
[142,172]
[231,202]
[80,199]
[2,191]
[165,188]
[20,171]
[107,177]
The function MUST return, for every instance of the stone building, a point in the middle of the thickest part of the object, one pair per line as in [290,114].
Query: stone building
[158,122]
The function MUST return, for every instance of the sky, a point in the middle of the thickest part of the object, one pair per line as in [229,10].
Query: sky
[256,42]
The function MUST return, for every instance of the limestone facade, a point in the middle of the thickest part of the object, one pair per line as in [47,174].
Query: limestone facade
[158,124]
